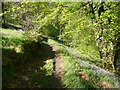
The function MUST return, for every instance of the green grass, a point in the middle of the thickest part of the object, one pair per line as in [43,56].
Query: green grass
[14,43]
[11,44]
[71,77]
[17,50]
[73,52]
[11,33]
[72,67]
[11,38]
[45,77]
[49,66]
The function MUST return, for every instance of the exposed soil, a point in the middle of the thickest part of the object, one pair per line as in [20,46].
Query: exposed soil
[57,68]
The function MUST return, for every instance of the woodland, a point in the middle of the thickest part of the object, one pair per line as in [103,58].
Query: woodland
[60,44]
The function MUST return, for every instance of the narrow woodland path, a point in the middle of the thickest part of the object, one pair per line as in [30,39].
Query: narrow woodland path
[30,75]
[57,68]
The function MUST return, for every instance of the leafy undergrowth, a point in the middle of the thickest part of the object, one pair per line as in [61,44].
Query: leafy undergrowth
[27,63]
[9,33]
[80,71]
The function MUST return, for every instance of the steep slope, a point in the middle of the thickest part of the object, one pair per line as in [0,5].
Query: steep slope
[28,64]
[49,64]
[80,72]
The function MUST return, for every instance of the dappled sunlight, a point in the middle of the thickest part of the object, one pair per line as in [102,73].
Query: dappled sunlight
[60,44]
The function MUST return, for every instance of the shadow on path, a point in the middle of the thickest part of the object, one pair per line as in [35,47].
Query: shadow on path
[24,69]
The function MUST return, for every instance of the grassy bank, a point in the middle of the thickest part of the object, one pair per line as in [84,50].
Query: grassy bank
[76,75]
[25,60]
[28,59]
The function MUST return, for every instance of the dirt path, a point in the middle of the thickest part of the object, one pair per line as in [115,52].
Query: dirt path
[30,76]
[57,68]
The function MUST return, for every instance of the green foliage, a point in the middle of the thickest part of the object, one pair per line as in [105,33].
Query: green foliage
[11,38]
[45,77]
[75,52]
[21,50]
[32,35]
[7,42]
[71,68]
[90,29]
[49,67]
[107,33]
[71,76]
[78,32]
[49,30]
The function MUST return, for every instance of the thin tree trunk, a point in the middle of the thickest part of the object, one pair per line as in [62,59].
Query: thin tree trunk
[3,16]
[106,52]
[117,56]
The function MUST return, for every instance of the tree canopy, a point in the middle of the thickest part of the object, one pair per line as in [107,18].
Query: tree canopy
[93,28]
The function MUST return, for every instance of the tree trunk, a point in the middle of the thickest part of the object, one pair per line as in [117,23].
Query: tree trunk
[105,48]
[92,9]
[117,56]
[3,16]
